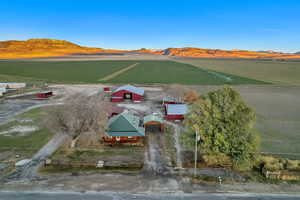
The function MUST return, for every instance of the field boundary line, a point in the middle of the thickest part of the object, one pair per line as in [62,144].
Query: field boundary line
[213,72]
[117,73]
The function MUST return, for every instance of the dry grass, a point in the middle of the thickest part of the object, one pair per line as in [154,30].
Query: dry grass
[280,72]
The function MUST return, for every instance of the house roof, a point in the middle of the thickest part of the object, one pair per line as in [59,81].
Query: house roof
[125,124]
[176,109]
[132,89]
[153,117]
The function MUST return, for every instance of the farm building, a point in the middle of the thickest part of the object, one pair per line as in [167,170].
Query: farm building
[124,128]
[106,89]
[175,111]
[11,85]
[171,100]
[2,91]
[44,94]
[127,92]
[154,123]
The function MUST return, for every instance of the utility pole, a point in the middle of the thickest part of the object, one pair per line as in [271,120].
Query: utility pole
[197,138]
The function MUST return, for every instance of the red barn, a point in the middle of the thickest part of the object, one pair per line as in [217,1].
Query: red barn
[44,94]
[127,92]
[175,111]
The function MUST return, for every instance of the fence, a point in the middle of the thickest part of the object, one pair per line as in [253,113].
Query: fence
[98,164]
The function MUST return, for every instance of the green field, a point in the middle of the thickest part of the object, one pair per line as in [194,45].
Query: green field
[146,72]
[150,72]
[278,72]
[60,72]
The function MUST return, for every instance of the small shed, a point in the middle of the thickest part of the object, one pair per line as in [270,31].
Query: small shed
[175,111]
[124,128]
[154,123]
[127,92]
[171,100]
[2,91]
[44,94]
[106,89]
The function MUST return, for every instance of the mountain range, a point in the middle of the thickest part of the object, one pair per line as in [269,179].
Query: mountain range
[35,48]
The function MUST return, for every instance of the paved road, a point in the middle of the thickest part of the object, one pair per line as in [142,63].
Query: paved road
[124,196]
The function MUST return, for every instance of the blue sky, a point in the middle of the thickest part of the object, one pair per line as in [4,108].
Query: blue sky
[124,24]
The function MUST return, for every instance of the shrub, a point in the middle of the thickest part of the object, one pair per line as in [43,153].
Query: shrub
[217,160]
[292,164]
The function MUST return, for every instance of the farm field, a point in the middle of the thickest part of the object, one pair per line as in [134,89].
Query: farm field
[61,72]
[146,72]
[278,72]
[168,72]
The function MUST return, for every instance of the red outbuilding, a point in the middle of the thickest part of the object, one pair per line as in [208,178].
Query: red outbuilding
[127,92]
[106,89]
[175,111]
[44,94]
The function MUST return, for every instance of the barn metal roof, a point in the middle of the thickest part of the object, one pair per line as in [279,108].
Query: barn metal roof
[132,89]
[153,117]
[125,124]
[176,109]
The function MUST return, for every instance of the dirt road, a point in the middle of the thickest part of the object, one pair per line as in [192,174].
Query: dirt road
[154,161]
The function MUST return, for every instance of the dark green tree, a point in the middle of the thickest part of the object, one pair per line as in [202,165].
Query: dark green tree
[225,125]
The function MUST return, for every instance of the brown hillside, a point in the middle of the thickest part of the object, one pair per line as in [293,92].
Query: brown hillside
[216,53]
[44,48]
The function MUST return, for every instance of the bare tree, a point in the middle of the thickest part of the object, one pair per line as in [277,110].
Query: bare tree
[191,96]
[182,93]
[79,115]
[176,91]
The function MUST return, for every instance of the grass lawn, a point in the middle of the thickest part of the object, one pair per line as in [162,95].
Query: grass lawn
[166,72]
[146,72]
[280,72]
[28,143]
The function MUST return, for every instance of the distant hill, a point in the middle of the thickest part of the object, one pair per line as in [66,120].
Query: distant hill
[217,53]
[297,52]
[36,48]
[44,48]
